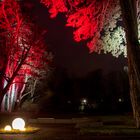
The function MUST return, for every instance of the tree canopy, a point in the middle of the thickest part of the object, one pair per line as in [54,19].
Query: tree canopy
[24,52]
[97,22]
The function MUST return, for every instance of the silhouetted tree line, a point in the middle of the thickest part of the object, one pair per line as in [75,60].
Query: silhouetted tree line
[59,92]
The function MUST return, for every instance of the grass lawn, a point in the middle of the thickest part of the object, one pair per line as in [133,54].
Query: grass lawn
[112,125]
[109,125]
[111,130]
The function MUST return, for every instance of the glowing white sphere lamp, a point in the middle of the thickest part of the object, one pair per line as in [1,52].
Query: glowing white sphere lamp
[19,124]
[7,128]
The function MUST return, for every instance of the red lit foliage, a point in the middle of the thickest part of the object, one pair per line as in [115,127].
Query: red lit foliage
[86,16]
[23,48]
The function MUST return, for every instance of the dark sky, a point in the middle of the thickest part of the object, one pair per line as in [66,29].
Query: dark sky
[69,54]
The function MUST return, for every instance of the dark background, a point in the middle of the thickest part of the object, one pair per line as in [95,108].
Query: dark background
[78,74]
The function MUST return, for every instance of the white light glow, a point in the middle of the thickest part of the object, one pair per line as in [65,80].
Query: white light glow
[120,100]
[19,124]
[24,129]
[7,128]
[84,101]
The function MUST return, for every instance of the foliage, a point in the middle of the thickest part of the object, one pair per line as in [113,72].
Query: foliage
[98,22]
[23,45]
[24,49]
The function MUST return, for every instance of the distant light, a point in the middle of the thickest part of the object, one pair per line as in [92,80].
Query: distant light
[19,124]
[84,101]
[69,102]
[120,100]
[125,68]
[7,128]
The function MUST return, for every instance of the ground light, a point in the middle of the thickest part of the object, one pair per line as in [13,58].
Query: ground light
[18,127]
[18,124]
[7,128]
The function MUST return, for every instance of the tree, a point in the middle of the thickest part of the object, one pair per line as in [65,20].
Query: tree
[133,51]
[24,53]
[102,23]
[95,21]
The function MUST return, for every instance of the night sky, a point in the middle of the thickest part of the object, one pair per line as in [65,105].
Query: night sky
[68,54]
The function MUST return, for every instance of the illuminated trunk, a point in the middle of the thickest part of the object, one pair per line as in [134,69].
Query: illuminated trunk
[12,93]
[13,76]
[129,13]
[12,97]
[1,97]
[2,80]
[4,91]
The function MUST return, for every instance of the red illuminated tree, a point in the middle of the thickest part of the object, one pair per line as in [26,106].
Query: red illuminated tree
[86,16]
[102,23]
[23,53]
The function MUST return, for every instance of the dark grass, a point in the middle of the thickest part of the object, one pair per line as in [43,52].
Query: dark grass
[112,125]
[111,131]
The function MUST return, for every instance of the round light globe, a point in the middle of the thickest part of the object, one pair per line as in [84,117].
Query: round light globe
[7,128]
[18,123]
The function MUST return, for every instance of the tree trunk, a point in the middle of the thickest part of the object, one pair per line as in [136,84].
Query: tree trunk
[2,79]
[1,98]
[128,8]
[6,88]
